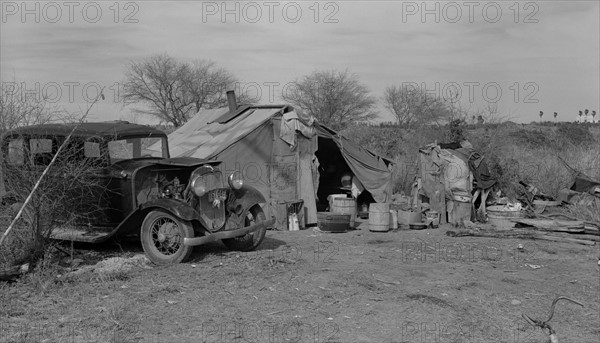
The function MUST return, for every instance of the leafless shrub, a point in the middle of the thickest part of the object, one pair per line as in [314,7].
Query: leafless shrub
[68,195]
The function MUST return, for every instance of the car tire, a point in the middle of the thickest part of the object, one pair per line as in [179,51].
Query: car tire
[162,237]
[251,240]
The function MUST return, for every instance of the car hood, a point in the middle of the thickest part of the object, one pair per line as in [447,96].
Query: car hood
[133,164]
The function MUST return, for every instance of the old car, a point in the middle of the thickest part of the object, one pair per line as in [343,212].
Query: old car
[171,204]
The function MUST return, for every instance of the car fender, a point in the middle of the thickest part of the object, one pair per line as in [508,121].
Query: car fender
[175,207]
[244,198]
[241,201]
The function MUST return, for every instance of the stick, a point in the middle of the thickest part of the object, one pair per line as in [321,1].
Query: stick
[276,312]
[389,282]
[39,181]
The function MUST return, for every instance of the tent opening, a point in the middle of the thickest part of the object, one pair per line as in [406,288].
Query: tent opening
[332,169]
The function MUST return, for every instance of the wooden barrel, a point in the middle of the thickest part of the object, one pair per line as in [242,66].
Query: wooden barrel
[379,217]
[344,206]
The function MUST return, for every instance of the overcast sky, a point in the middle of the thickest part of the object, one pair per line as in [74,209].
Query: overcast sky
[526,56]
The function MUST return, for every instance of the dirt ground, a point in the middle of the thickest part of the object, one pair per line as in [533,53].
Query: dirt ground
[309,286]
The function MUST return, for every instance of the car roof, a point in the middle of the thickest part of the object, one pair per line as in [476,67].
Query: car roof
[114,129]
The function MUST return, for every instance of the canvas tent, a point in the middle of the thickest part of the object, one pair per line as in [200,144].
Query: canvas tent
[275,151]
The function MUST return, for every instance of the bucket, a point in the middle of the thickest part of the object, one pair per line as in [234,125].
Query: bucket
[433,218]
[379,217]
[459,208]
[500,216]
[407,217]
[344,205]
[333,222]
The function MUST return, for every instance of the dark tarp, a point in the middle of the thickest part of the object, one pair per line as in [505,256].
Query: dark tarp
[374,172]
[584,184]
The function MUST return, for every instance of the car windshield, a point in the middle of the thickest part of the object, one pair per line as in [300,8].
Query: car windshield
[138,147]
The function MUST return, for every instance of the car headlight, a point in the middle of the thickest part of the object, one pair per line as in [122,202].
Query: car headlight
[198,186]
[235,180]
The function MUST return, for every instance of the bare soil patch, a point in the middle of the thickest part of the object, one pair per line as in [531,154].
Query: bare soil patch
[308,286]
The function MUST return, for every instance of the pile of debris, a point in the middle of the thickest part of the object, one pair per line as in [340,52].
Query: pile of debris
[545,218]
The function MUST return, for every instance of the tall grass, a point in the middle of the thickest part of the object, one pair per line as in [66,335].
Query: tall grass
[533,155]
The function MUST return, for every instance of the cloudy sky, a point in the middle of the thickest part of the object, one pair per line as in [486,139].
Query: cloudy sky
[526,56]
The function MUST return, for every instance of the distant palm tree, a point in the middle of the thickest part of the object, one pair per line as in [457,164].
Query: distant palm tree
[541,114]
[555,115]
[580,115]
[586,114]
[594,116]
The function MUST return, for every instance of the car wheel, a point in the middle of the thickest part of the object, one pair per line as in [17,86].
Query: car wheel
[162,238]
[251,240]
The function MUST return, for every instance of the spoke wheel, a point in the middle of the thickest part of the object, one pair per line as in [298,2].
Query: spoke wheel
[162,238]
[251,240]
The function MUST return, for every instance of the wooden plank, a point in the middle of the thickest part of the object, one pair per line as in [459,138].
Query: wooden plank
[519,234]
[591,230]
[565,239]
[551,224]
[577,236]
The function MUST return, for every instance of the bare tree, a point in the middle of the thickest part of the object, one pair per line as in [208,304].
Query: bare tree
[413,106]
[335,98]
[173,91]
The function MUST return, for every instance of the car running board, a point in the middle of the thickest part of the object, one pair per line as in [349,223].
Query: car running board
[81,234]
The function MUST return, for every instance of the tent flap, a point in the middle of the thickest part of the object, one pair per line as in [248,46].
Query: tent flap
[373,171]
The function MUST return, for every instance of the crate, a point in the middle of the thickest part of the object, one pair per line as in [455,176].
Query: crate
[333,222]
